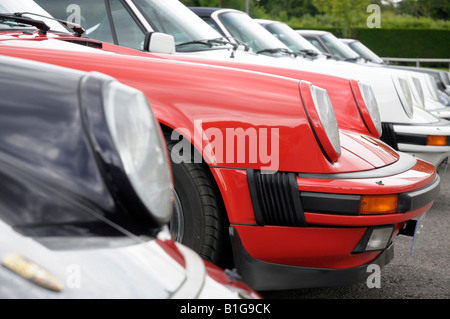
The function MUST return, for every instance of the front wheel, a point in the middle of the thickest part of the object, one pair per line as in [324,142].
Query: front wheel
[199,219]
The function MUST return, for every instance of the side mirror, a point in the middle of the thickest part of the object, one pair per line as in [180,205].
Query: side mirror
[158,42]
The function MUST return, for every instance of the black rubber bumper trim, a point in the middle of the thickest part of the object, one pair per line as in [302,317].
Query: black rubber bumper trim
[416,199]
[261,275]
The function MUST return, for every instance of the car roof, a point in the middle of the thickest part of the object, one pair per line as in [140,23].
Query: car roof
[348,40]
[204,11]
[318,32]
[266,21]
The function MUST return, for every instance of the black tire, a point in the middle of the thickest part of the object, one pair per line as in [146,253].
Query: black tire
[199,220]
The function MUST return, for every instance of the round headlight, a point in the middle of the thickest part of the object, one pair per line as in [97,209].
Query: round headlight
[323,121]
[404,94]
[367,106]
[138,140]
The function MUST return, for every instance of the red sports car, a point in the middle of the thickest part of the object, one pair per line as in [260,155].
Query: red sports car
[259,158]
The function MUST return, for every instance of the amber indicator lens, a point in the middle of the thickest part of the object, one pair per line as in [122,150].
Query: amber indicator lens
[437,140]
[372,205]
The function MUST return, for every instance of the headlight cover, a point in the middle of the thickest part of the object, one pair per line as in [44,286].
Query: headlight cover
[404,94]
[137,137]
[367,106]
[323,121]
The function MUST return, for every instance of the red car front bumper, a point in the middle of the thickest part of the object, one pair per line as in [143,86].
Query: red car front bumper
[294,239]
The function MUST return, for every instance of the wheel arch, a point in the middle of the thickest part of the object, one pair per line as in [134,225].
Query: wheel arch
[218,185]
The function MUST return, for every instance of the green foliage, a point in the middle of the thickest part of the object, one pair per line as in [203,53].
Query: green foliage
[435,9]
[389,20]
[286,8]
[346,15]
[406,43]
[401,43]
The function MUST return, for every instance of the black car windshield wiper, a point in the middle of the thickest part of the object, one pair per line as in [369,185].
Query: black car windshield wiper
[239,42]
[23,21]
[207,42]
[76,28]
[308,52]
[277,50]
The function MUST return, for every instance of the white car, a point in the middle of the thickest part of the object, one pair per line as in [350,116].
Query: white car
[196,39]
[440,76]
[424,87]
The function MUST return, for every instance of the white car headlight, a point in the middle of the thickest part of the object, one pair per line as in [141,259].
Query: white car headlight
[323,121]
[432,87]
[137,137]
[418,91]
[404,94]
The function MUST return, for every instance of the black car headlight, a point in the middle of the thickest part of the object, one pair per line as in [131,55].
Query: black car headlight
[128,142]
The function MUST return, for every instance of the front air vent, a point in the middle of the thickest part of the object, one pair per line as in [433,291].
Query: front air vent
[389,136]
[275,198]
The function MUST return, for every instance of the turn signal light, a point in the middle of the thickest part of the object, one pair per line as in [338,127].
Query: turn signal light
[437,140]
[372,205]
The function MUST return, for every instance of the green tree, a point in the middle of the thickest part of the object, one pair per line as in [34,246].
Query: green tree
[349,12]
[291,8]
[436,9]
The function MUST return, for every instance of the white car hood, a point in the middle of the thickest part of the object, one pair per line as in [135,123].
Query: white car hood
[391,109]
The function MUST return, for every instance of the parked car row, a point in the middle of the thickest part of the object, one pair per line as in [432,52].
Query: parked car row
[171,140]
[401,105]
[432,81]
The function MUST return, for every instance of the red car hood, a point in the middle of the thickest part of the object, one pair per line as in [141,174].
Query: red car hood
[338,88]
[205,102]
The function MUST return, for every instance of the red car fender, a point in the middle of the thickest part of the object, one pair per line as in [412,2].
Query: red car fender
[177,103]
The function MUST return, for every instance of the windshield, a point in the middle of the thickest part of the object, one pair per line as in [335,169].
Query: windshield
[338,48]
[172,17]
[365,52]
[12,6]
[247,30]
[290,38]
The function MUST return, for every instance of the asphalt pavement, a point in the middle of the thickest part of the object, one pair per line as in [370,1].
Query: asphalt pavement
[425,274]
